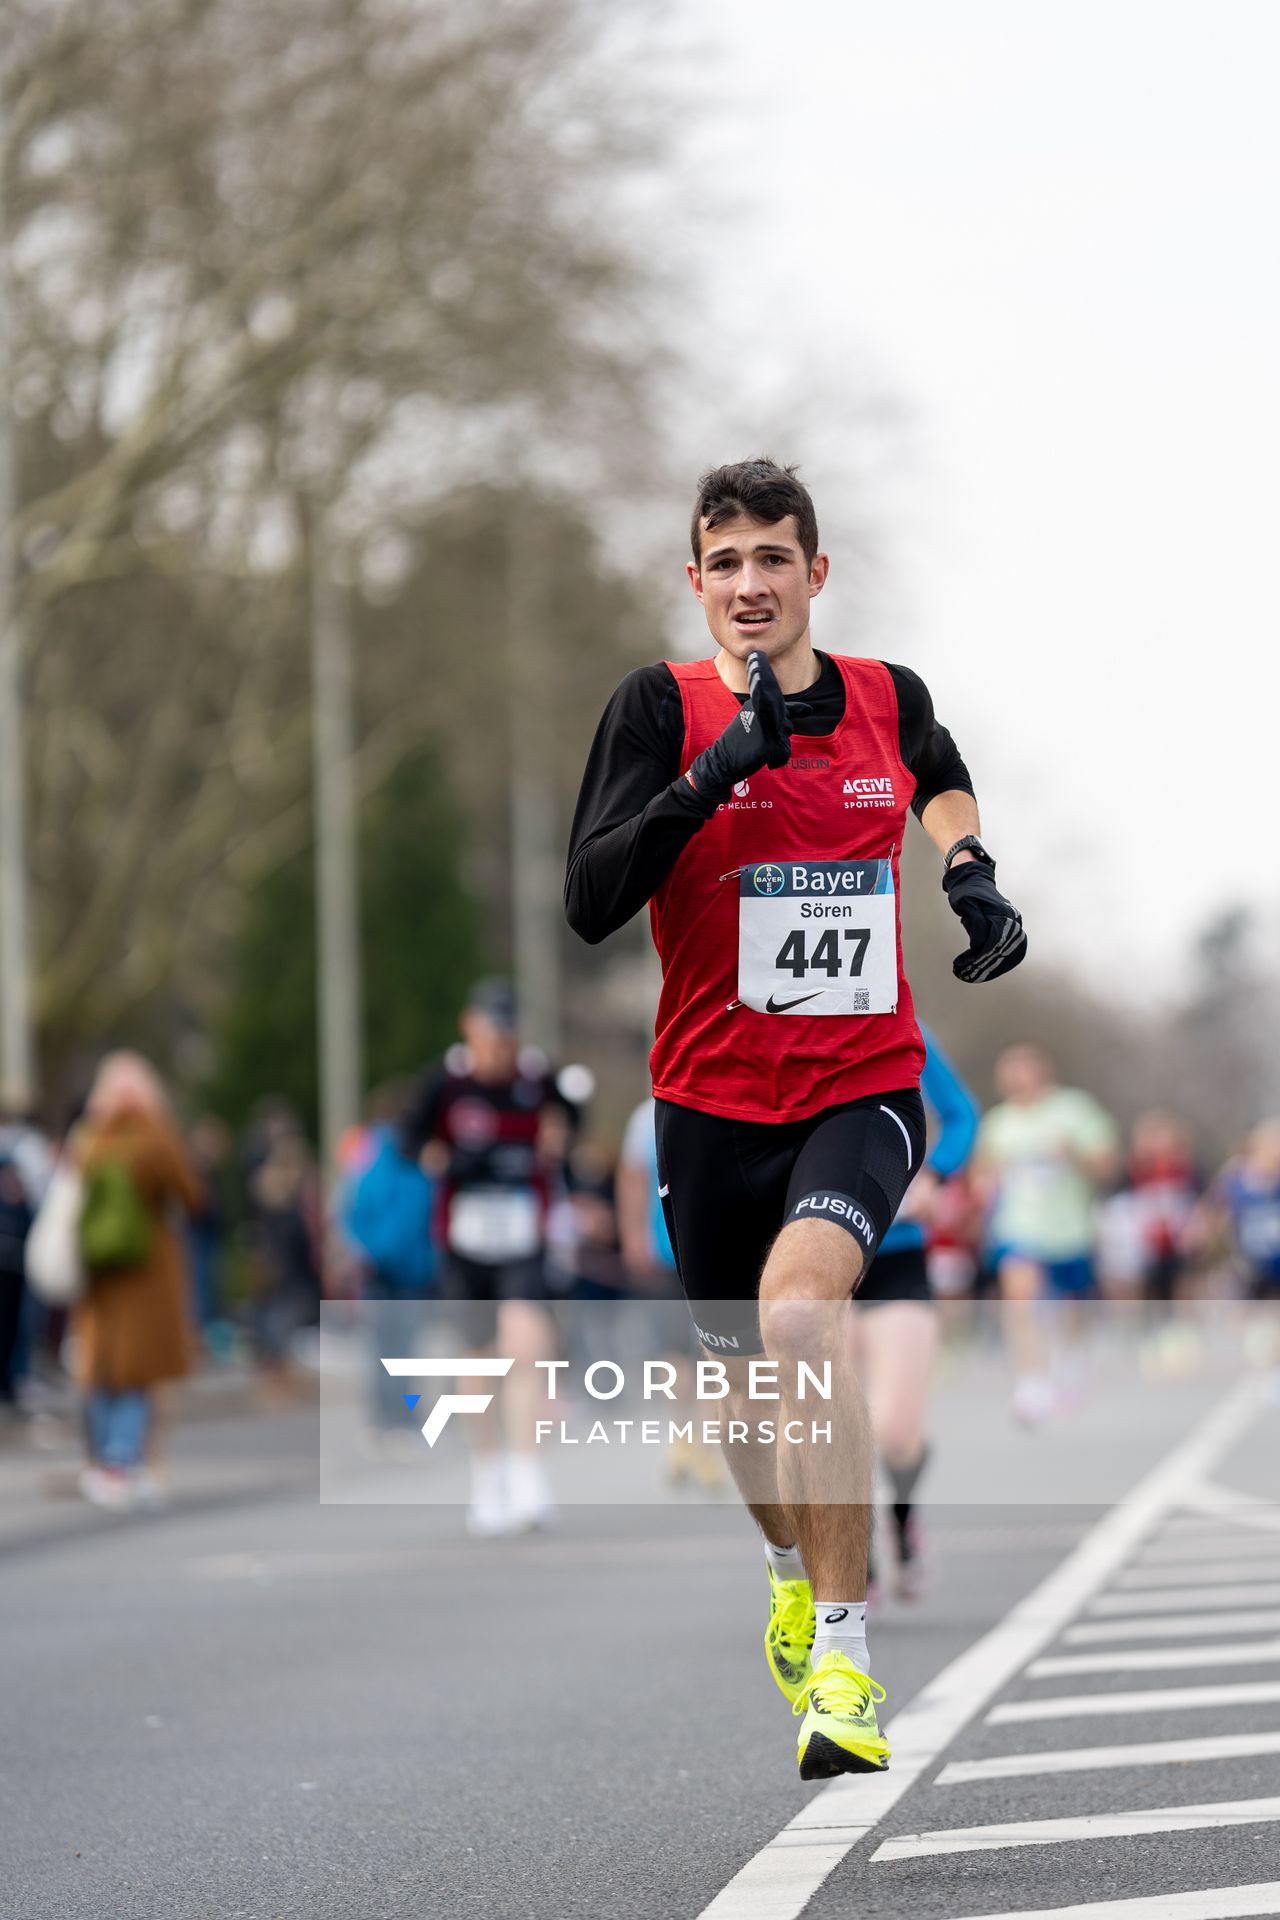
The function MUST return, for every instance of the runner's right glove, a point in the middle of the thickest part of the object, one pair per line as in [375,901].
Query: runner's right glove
[996,939]
[759,735]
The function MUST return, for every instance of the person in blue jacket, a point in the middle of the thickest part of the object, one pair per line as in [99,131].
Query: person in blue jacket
[895,1332]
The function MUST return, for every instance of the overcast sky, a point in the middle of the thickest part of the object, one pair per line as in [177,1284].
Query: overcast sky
[1050,231]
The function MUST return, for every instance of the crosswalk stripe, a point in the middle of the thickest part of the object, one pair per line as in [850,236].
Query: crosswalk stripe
[1185,1626]
[1084,1826]
[1143,1753]
[1245,1514]
[1265,1595]
[1084,1706]
[779,1881]
[1164,1550]
[1211,1903]
[1182,1575]
[1260,1653]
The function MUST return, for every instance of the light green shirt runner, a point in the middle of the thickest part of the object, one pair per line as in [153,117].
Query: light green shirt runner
[1045,1202]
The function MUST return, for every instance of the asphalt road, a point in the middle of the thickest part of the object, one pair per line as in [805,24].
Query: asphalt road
[259,1706]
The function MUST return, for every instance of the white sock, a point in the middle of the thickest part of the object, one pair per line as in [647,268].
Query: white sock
[785,1561]
[842,1628]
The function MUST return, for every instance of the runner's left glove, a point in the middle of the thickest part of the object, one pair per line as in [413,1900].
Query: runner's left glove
[759,735]
[996,940]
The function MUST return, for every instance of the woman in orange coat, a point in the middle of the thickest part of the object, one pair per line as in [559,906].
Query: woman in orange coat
[132,1329]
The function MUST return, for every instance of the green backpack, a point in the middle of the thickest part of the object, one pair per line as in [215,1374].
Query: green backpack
[115,1227]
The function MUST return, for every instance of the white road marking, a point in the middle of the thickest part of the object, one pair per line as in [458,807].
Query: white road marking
[1165,1551]
[1186,1626]
[1242,1509]
[1265,1594]
[1142,1753]
[779,1882]
[1260,1653]
[1085,1826]
[1087,1706]
[1192,1576]
[1214,1903]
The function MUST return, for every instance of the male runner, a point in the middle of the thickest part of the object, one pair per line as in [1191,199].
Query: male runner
[490,1122]
[896,1324]
[787,1058]
[1043,1155]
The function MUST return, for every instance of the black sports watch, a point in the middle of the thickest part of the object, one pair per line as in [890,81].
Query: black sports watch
[975,847]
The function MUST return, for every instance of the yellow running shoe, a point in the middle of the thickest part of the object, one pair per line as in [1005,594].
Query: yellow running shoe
[789,1634]
[840,1734]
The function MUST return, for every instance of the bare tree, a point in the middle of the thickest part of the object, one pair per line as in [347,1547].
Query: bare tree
[268,264]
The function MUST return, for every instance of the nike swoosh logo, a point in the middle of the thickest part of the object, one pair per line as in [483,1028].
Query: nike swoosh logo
[783,1006]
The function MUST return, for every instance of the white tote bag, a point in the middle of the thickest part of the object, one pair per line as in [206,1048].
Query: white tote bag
[55,1271]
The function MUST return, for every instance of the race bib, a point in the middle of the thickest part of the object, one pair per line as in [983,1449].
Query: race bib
[495,1225]
[818,936]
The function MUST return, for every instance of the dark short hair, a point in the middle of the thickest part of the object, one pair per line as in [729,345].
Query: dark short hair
[760,489]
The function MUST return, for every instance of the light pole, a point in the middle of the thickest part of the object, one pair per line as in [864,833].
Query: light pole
[536,882]
[337,877]
[17,1066]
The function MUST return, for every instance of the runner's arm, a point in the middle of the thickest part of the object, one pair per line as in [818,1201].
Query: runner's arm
[955,1107]
[944,790]
[944,804]
[420,1121]
[635,815]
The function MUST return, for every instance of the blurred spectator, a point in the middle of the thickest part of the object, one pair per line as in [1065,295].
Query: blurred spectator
[132,1328]
[31,1155]
[16,1215]
[281,1237]
[209,1144]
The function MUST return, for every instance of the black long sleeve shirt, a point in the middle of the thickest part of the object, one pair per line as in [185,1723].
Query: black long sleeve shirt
[635,814]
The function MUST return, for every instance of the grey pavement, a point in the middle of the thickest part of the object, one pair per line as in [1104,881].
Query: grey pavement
[256,1706]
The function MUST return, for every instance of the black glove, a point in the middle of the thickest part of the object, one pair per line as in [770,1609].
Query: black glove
[759,735]
[996,939]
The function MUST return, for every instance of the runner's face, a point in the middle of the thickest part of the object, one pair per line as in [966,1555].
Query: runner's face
[494,1049]
[755,586]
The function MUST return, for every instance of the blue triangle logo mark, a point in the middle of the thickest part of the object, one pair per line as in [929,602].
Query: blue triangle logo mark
[411,1400]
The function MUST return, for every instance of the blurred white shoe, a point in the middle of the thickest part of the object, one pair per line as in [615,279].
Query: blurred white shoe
[111,1488]
[489,1517]
[1033,1400]
[529,1491]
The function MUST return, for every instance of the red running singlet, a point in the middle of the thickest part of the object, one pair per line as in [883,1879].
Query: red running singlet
[842,796]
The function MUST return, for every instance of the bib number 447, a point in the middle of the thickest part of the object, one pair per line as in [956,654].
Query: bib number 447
[830,955]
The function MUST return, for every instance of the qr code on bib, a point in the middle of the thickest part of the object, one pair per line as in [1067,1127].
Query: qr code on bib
[861,1000]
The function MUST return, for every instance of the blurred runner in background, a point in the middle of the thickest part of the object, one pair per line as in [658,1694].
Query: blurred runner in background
[1043,1154]
[491,1123]
[132,1329]
[895,1329]
[651,1264]
[1245,1199]
[385,1209]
